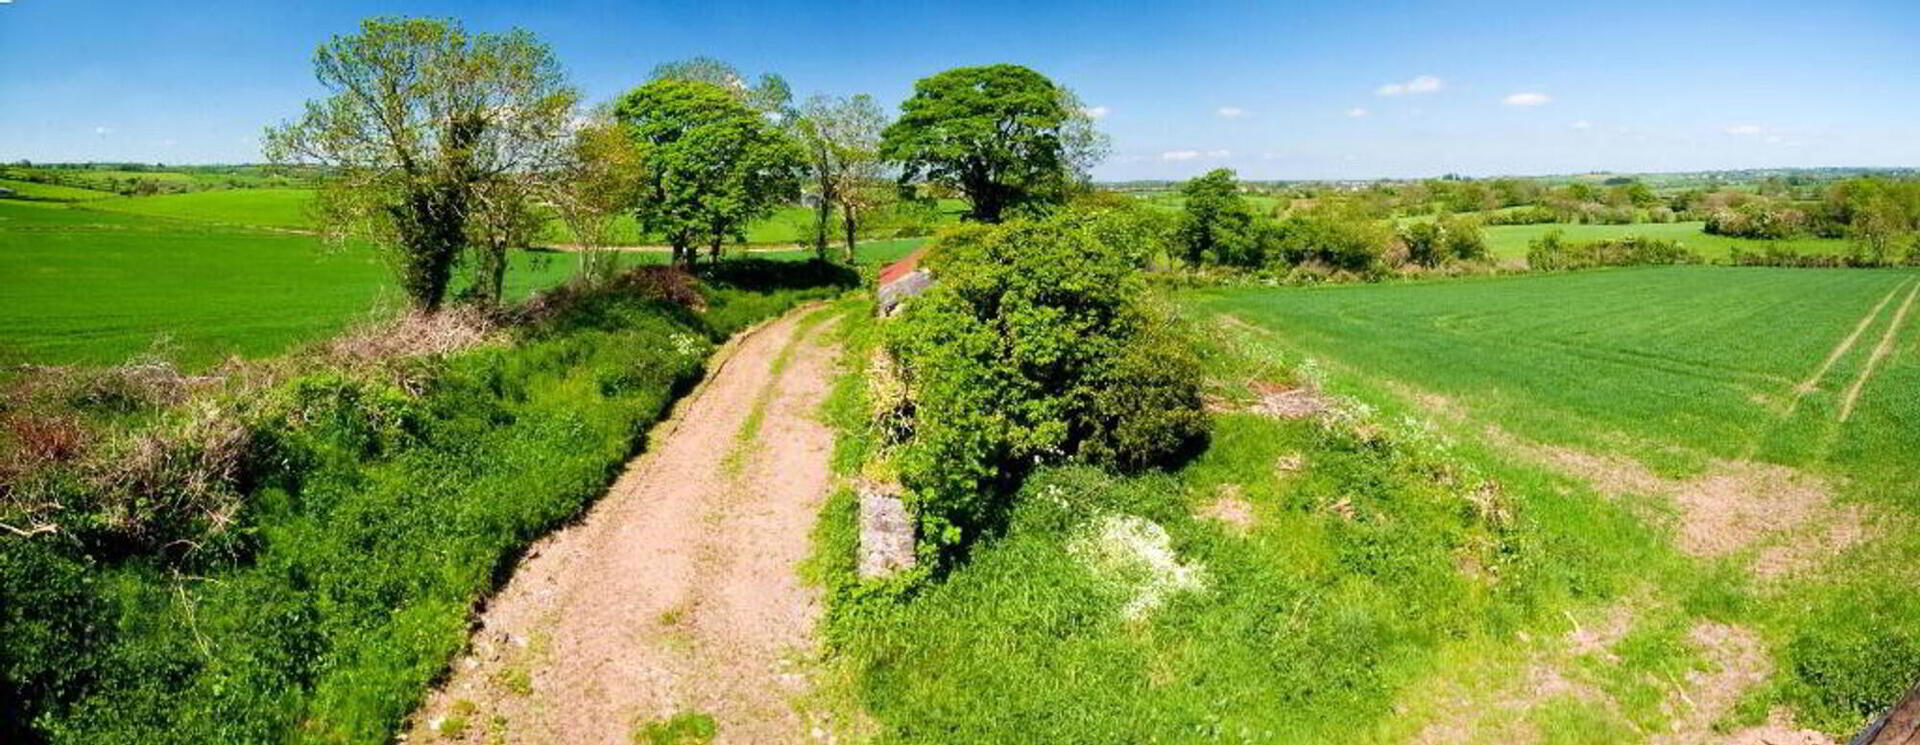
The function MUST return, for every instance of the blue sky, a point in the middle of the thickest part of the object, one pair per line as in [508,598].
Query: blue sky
[1326,89]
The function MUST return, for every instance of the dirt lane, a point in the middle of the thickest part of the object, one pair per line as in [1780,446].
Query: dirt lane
[678,594]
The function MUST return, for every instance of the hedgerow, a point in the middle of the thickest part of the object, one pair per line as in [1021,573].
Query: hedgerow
[292,556]
[1037,344]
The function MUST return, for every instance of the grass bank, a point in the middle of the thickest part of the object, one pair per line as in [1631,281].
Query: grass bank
[291,555]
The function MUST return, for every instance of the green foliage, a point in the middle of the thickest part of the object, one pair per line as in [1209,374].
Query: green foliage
[1217,226]
[1553,253]
[1003,135]
[712,164]
[430,140]
[1036,344]
[1760,219]
[367,518]
[685,728]
[1338,237]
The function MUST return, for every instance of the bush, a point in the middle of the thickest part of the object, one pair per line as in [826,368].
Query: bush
[1035,345]
[1338,239]
[1759,218]
[1551,252]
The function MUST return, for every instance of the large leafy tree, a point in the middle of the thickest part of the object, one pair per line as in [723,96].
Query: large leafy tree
[1004,135]
[769,95]
[711,163]
[842,139]
[434,139]
[1217,224]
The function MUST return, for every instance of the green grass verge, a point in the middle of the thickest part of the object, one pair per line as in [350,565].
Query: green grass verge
[371,521]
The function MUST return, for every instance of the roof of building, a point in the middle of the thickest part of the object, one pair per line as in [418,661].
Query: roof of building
[905,266]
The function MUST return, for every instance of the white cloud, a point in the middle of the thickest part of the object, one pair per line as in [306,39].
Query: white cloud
[103,130]
[1231,112]
[1744,129]
[1526,98]
[1420,84]
[1096,112]
[1775,139]
[1356,112]
[1182,155]
[1582,125]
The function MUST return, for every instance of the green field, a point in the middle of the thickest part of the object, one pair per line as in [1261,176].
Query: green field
[97,286]
[1510,241]
[1665,385]
[274,208]
[51,192]
[100,287]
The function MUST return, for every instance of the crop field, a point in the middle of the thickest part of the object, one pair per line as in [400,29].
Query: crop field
[274,208]
[1757,424]
[1510,241]
[51,192]
[100,287]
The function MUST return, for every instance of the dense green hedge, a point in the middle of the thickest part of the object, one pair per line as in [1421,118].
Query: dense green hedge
[1037,343]
[369,511]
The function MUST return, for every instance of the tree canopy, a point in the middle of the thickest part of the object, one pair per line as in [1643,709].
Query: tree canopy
[842,138]
[1004,135]
[433,138]
[711,163]
[1217,225]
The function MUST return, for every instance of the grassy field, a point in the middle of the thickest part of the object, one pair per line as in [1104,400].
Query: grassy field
[100,287]
[273,208]
[1495,538]
[51,192]
[1760,420]
[1510,241]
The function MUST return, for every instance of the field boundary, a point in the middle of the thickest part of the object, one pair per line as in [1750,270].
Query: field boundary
[1880,352]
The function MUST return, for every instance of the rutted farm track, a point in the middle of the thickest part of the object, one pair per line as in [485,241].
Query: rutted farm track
[677,594]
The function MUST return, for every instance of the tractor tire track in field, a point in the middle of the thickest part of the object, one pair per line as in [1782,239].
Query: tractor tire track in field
[1840,350]
[676,602]
[1880,352]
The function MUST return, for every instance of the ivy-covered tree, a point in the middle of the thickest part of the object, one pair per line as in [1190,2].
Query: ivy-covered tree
[711,164]
[1003,135]
[432,139]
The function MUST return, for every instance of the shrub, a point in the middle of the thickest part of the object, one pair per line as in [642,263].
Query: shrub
[1342,240]
[1035,345]
[1759,218]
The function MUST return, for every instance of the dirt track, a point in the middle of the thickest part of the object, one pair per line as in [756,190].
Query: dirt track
[678,593]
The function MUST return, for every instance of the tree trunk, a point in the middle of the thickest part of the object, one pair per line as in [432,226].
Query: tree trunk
[851,223]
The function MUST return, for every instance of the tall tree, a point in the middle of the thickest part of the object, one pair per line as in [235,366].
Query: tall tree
[711,163]
[1004,135]
[769,95]
[842,138]
[1216,223]
[430,133]
[599,179]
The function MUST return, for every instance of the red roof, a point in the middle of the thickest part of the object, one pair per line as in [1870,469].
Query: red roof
[905,266]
